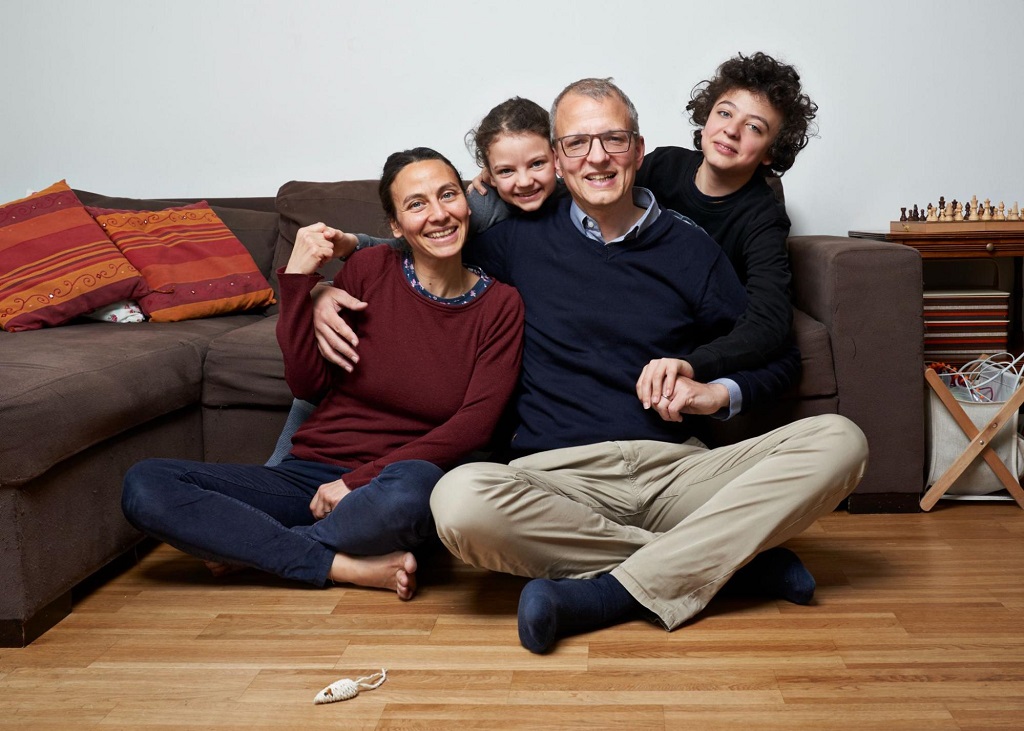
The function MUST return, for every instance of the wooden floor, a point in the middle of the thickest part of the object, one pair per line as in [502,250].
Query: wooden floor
[918,624]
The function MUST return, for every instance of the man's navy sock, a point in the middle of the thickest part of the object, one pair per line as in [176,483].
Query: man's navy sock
[550,609]
[777,573]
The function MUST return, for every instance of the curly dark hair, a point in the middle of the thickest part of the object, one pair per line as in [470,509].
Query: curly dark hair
[777,82]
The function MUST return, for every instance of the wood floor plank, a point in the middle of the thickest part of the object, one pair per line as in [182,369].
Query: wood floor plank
[518,717]
[906,717]
[405,686]
[237,716]
[325,627]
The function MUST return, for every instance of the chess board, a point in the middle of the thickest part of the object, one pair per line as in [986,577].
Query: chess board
[955,217]
[938,227]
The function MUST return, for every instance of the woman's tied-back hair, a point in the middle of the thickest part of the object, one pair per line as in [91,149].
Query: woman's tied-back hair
[515,116]
[776,82]
[396,162]
[596,89]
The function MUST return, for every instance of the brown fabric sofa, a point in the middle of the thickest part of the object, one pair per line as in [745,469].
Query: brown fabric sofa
[81,403]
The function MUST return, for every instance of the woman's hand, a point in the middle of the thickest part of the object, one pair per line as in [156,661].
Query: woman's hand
[317,244]
[335,339]
[658,379]
[327,497]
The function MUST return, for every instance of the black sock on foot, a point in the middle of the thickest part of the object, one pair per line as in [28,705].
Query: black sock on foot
[550,609]
[777,573]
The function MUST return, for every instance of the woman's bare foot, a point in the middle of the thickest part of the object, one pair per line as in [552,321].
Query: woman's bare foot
[221,568]
[393,571]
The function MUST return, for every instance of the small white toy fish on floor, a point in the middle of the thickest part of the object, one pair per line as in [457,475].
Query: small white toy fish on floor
[342,690]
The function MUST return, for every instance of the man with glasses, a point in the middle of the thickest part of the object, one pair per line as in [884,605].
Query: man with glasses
[616,510]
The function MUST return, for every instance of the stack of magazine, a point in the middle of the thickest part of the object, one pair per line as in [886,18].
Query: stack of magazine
[963,324]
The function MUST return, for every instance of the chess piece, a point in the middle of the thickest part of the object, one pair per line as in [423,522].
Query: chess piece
[967,212]
[942,202]
[947,213]
[975,214]
[1000,212]
[931,217]
[903,213]
[958,212]
[915,215]
[1014,214]
[986,211]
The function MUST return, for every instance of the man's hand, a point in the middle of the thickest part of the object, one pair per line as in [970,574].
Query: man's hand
[317,244]
[692,397]
[658,378]
[335,339]
[327,497]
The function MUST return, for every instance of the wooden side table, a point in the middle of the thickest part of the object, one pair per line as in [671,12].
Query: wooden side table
[966,241]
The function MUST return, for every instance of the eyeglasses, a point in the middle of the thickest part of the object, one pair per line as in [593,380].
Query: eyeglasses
[615,141]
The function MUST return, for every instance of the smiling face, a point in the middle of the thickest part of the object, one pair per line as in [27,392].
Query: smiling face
[431,211]
[522,167]
[739,134]
[600,183]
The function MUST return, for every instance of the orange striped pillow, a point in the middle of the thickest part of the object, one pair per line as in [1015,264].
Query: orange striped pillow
[56,263]
[194,266]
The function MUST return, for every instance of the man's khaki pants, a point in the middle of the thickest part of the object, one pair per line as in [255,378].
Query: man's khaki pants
[671,522]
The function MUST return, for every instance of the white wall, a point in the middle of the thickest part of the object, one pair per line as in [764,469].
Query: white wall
[229,97]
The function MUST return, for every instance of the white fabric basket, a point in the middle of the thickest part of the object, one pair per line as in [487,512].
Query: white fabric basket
[947,441]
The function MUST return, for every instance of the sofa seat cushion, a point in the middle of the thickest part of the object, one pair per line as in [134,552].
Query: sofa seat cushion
[244,368]
[818,379]
[66,389]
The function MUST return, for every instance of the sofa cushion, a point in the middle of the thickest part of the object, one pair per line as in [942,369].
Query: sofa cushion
[56,263]
[194,265]
[351,205]
[245,368]
[69,388]
[256,229]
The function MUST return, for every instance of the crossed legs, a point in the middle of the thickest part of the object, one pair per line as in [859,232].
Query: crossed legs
[669,523]
[258,516]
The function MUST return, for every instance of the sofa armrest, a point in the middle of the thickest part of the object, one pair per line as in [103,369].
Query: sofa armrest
[868,294]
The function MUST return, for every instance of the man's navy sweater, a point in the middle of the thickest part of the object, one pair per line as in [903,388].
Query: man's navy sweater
[596,314]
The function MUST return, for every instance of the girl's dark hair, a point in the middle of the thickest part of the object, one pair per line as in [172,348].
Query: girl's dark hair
[776,82]
[514,116]
[396,162]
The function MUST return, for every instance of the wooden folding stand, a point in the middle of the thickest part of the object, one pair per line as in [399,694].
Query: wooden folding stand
[980,443]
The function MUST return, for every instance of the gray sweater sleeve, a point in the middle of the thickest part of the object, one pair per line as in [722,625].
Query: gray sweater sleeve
[367,240]
[486,210]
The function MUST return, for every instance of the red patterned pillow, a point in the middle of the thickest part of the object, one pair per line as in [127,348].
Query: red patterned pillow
[56,263]
[194,266]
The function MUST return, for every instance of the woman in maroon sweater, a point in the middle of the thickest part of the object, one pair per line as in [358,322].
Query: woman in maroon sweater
[440,345]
